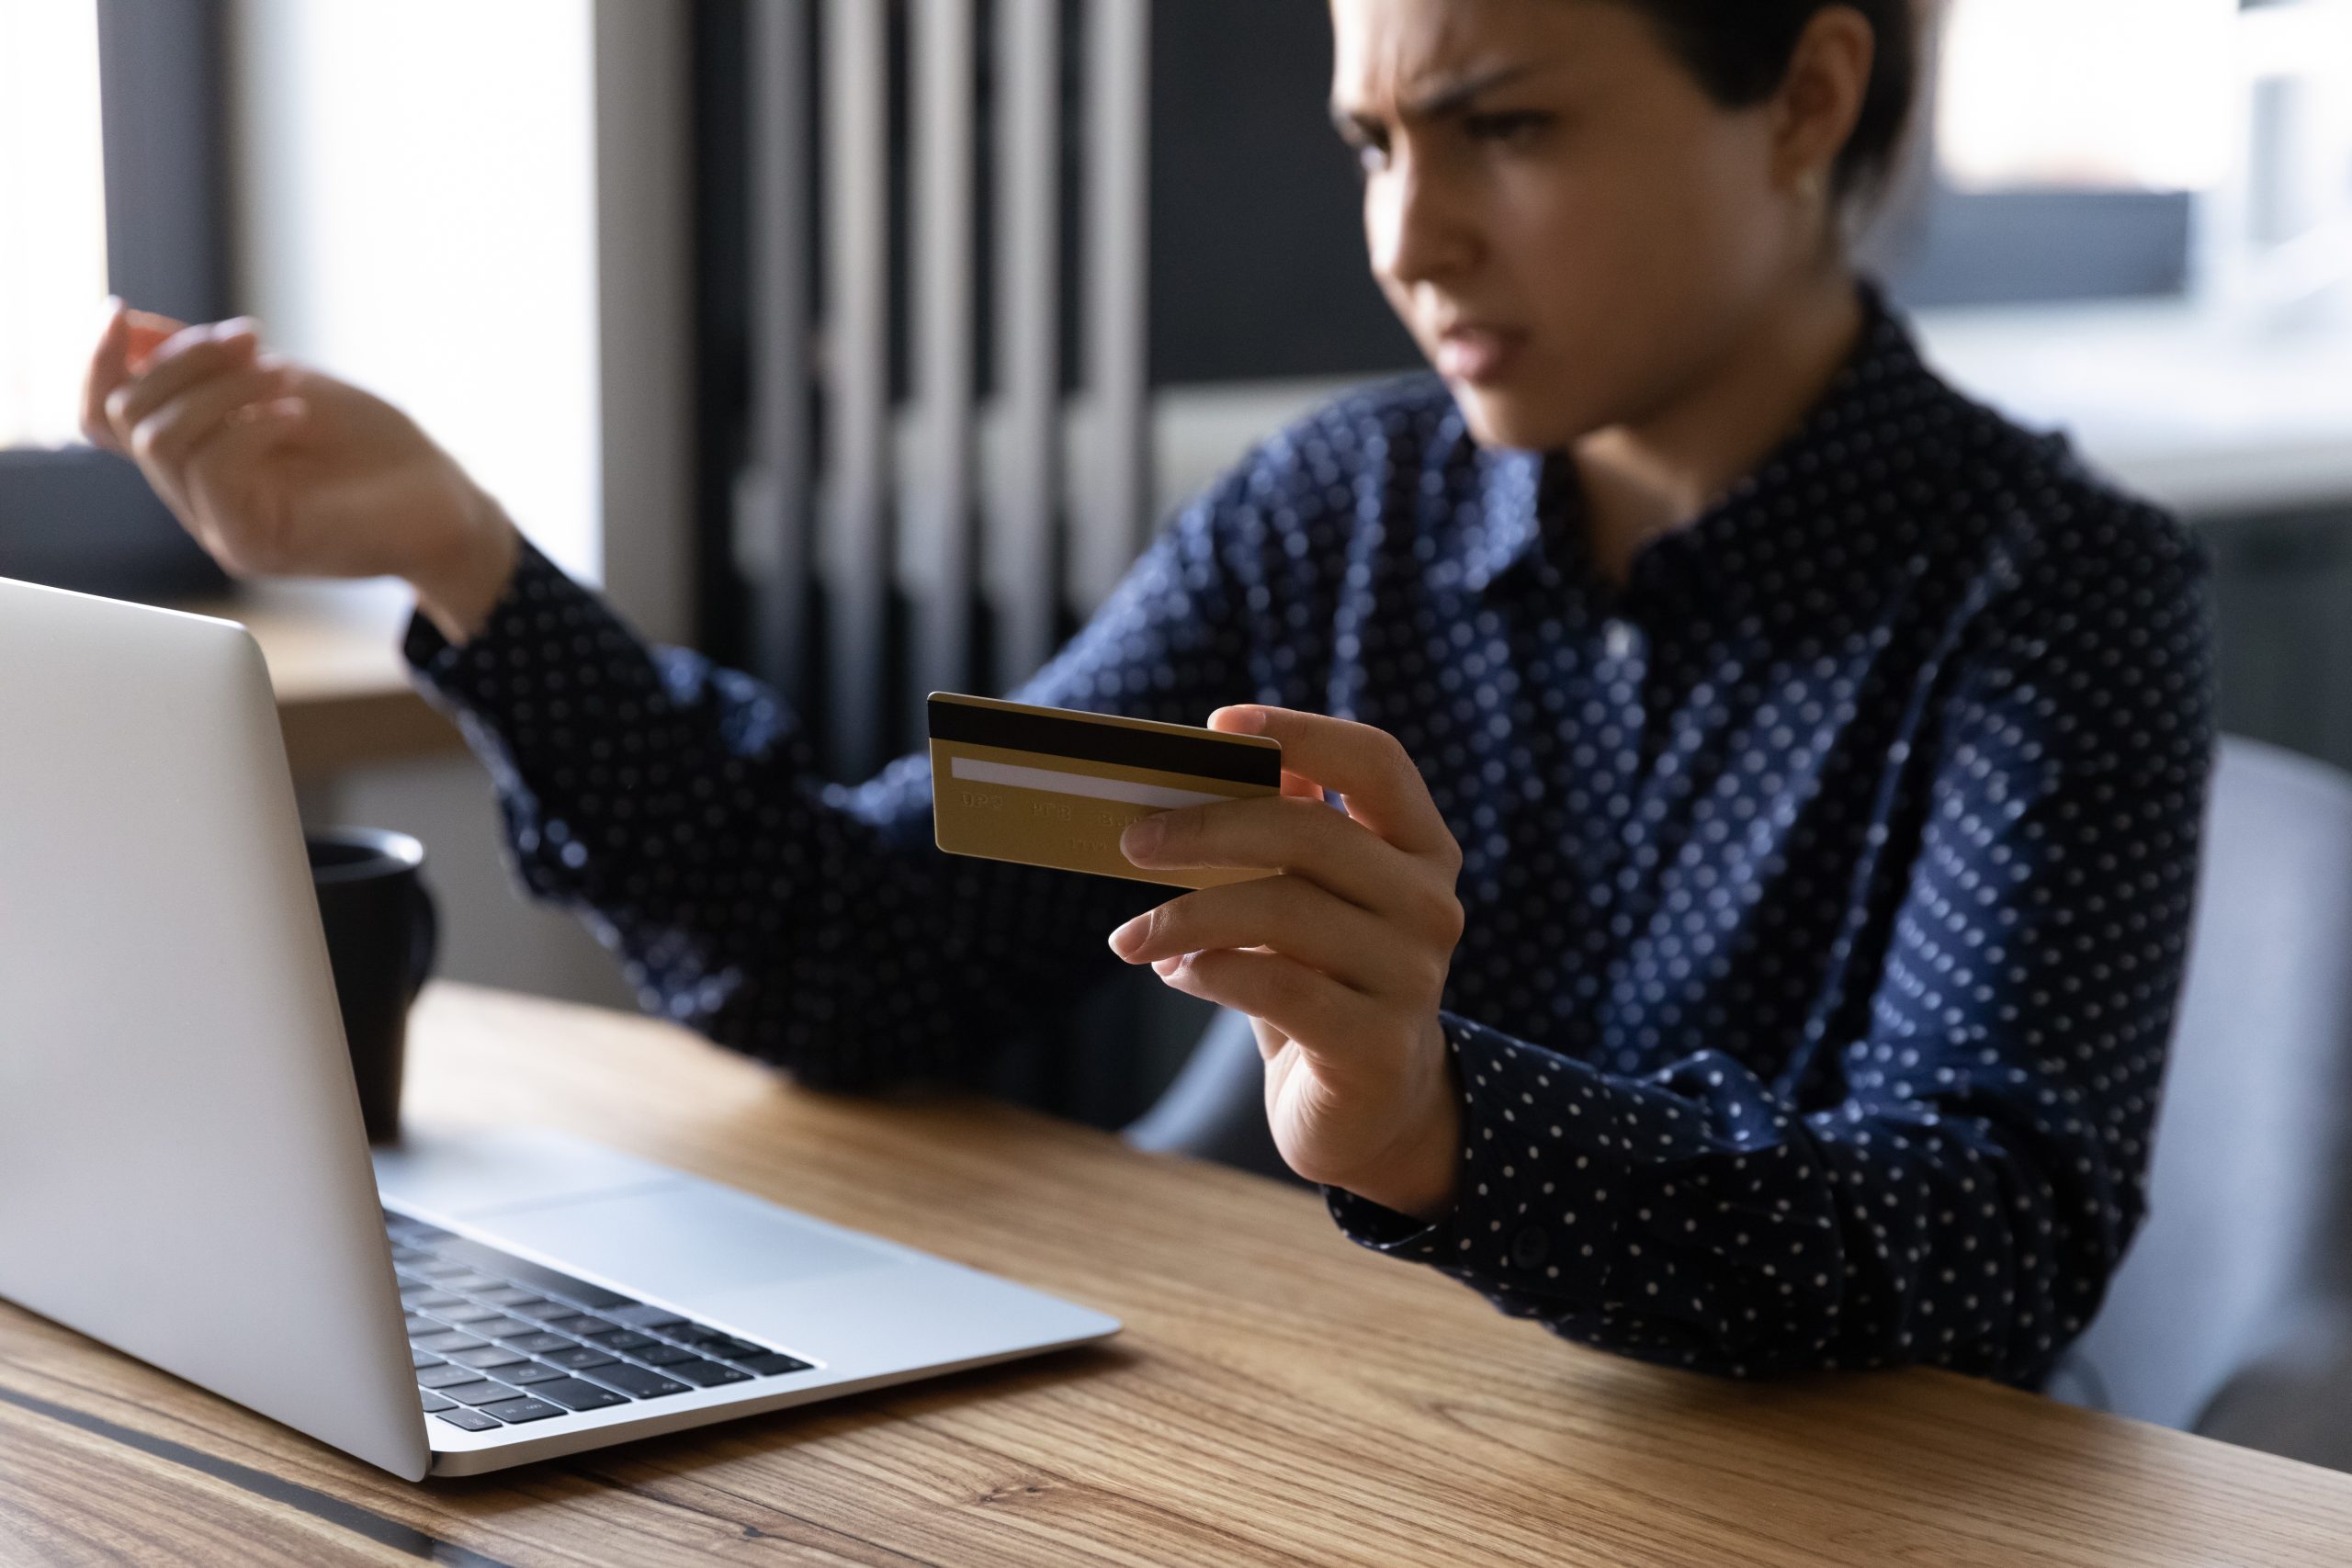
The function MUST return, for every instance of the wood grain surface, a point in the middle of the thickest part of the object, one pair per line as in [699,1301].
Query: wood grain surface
[1278,1397]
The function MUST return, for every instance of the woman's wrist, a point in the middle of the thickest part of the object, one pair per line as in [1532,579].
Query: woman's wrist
[1420,1176]
[457,591]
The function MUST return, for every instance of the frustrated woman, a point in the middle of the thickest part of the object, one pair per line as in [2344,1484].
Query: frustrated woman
[1771,782]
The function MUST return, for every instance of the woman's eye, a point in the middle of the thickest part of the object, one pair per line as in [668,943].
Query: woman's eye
[1506,127]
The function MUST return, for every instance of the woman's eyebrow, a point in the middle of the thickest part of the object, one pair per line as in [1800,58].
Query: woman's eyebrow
[1451,98]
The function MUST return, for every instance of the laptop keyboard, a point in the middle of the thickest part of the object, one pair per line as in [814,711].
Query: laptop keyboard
[499,1341]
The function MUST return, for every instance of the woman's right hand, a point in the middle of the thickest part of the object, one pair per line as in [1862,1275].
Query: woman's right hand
[280,470]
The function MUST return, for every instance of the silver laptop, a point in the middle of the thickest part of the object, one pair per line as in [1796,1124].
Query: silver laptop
[183,1175]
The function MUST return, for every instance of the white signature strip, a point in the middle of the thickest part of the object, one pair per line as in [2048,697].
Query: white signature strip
[979,771]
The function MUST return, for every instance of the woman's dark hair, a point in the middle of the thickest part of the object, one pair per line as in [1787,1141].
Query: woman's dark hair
[1740,49]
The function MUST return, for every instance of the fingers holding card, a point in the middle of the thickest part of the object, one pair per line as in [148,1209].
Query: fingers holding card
[1057,787]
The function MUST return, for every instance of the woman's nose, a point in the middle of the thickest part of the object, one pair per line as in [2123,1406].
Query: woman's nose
[1415,225]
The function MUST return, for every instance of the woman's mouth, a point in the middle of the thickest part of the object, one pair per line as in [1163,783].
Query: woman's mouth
[1478,355]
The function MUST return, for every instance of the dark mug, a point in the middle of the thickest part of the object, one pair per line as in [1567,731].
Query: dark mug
[381,932]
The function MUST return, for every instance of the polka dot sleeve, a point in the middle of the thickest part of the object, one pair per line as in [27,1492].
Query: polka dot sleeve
[1958,1180]
[674,806]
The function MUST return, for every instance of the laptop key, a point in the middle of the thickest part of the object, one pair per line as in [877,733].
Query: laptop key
[472,1420]
[623,1339]
[487,1356]
[659,1319]
[421,1360]
[514,1412]
[581,1326]
[579,1358]
[576,1394]
[707,1374]
[663,1355]
[434,1402]
[483,1391]
[462,1311]
[535,1343]
[732,1349]
[542,1310]
[472,1280]
[508,1295]
[445,1374]
[772,1364]
[424,1297]
[500,1328]
[516,1271]
[416,1323]
[443,1344]
[530,1373]
[642,1381]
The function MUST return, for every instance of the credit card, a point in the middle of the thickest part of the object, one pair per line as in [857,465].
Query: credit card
[1053,786]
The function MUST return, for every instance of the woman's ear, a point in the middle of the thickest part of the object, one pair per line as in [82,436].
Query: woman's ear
[1821,98]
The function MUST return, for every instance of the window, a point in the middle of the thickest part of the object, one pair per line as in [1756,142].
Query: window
[52,185]
[110,144]
[2086,95]
[2109,148]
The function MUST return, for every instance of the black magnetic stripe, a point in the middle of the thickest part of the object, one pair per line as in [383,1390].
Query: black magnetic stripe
[1113,743]
[318,1504]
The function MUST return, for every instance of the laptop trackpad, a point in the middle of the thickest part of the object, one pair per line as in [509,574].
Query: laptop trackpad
[684,1240]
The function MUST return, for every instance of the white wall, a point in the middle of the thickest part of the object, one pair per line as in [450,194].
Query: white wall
[426,204]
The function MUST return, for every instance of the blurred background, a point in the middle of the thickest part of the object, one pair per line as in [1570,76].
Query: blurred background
[861,343]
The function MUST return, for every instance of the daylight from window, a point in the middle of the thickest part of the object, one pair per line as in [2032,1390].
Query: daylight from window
[53,190]
[2131,94]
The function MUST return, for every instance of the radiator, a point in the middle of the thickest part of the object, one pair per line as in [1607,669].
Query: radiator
[888,520]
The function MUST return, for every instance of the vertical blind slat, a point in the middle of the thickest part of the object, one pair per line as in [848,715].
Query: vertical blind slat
[772,533]
[936,564]
[1023,514]
[1118,176]
[855,542]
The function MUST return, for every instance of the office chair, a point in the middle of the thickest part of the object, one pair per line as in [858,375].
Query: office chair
[2232,1314]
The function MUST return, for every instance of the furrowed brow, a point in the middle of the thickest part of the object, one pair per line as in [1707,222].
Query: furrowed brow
[1452,99]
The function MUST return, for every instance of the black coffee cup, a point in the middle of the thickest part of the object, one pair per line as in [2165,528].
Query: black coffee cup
[381,932]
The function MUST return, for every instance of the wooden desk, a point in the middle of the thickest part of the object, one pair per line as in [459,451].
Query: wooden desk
[342,690]
[1279,1396]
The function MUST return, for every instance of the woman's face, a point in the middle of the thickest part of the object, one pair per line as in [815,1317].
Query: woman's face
[1572,229]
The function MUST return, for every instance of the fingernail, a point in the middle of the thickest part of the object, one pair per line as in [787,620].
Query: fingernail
[1141,838]
[1127,937]
[1239,721]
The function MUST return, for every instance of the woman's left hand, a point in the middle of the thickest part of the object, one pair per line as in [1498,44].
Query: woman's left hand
[1340,962]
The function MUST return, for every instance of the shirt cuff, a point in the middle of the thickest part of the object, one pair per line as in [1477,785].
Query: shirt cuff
[1543,1179]
[539,602]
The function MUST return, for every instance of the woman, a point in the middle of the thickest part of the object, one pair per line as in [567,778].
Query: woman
[1772,783]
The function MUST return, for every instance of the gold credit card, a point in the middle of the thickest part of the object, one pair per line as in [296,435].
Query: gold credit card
[1053,786]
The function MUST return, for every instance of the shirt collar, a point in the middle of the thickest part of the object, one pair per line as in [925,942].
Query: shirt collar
[1532,504]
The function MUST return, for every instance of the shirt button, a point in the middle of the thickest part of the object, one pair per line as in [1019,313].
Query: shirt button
[1530,1247]
[1618,637]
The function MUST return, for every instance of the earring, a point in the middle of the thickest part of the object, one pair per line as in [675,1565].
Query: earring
[1811,185]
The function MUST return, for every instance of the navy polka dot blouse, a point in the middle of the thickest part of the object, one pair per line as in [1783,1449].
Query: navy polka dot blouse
[1827,884]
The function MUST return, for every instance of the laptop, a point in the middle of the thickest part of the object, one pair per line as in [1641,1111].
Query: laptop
[183,1172]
